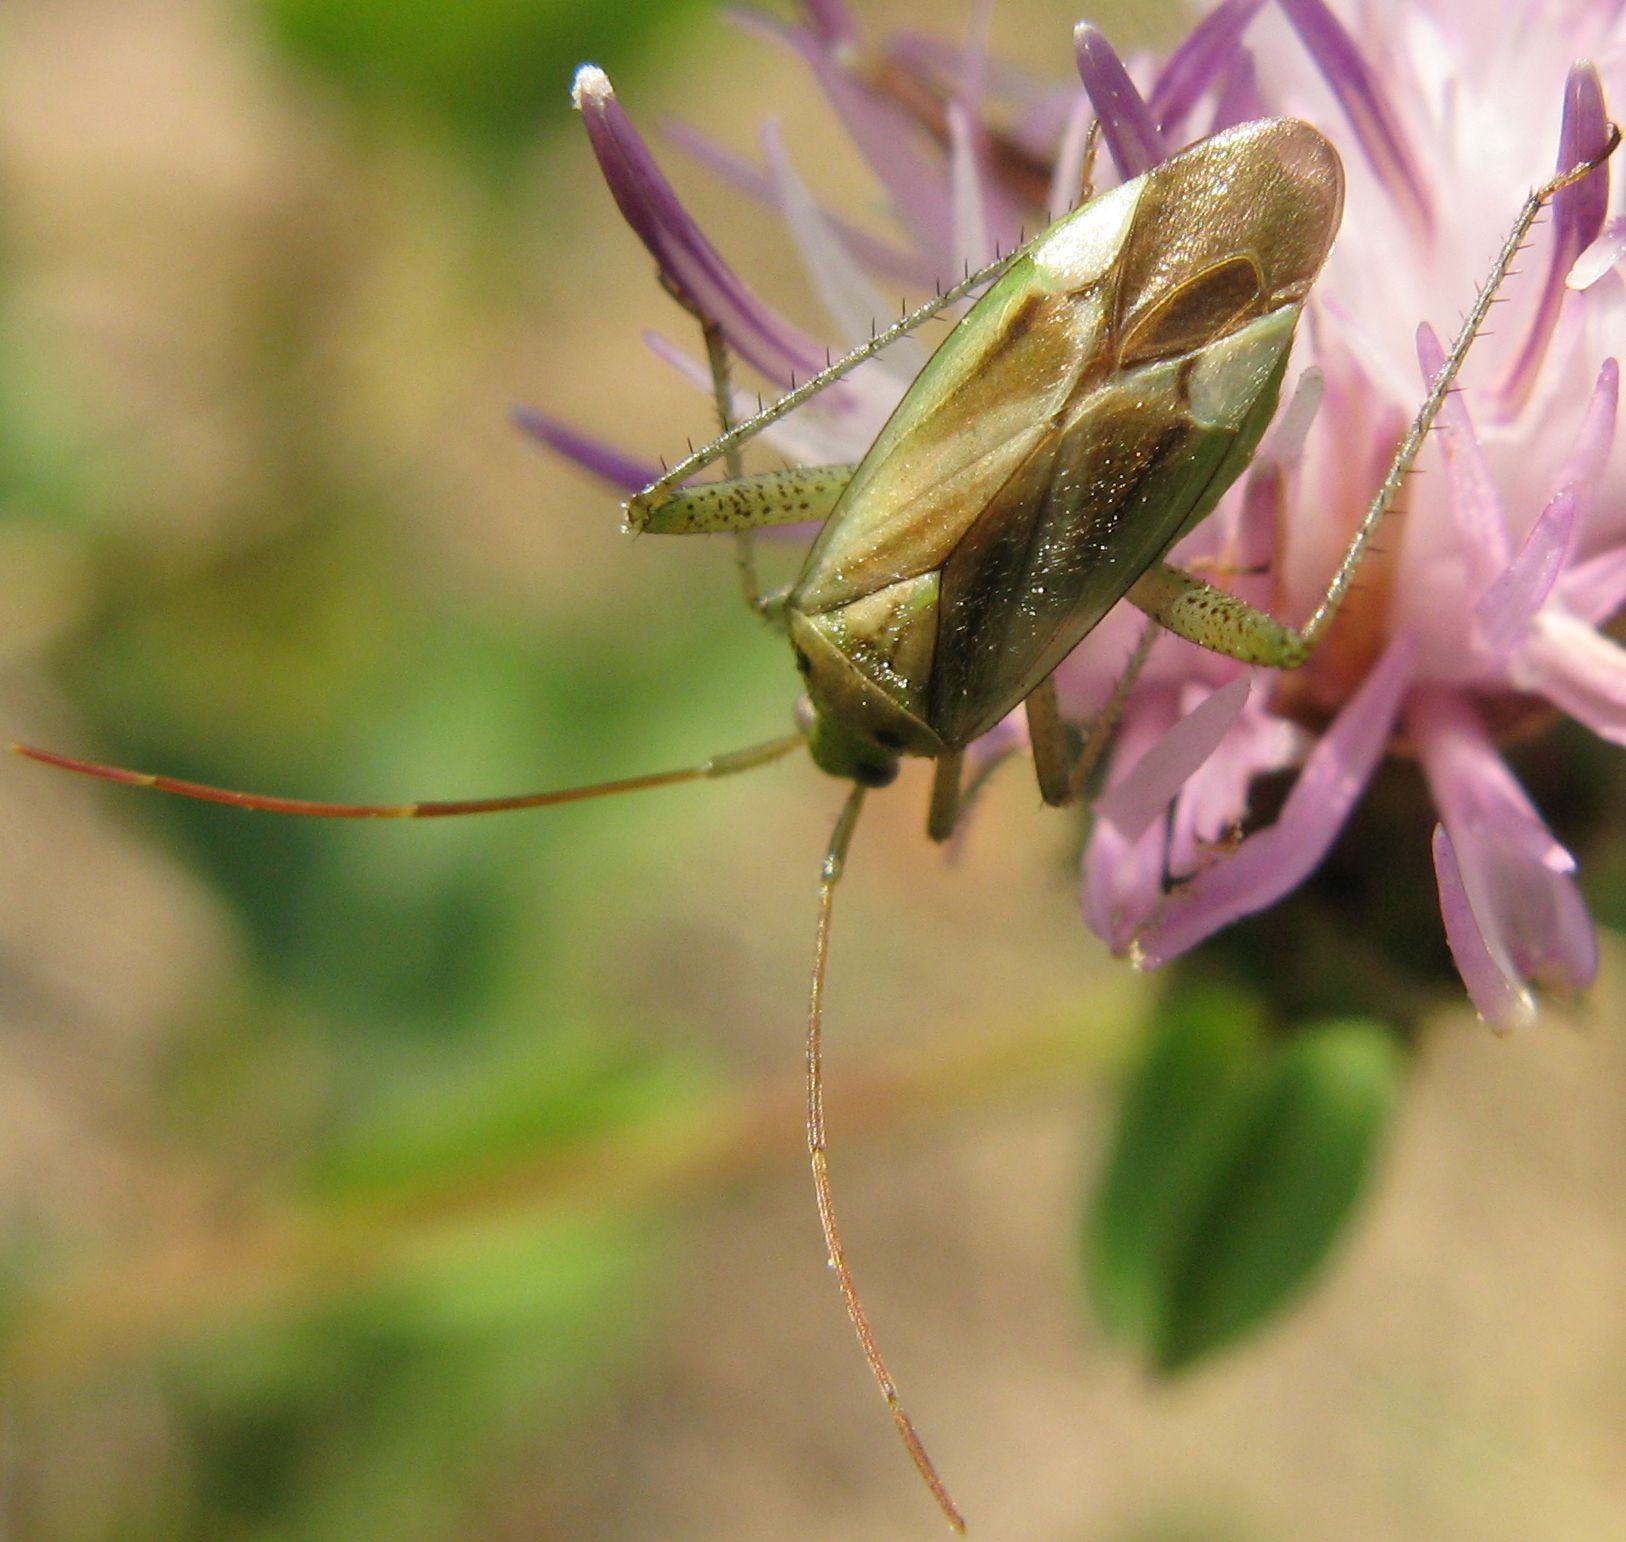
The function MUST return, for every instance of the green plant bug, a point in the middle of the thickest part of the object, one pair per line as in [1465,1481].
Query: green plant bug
[1089,410]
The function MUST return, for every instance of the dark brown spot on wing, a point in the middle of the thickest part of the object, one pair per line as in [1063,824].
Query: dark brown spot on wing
[1204,307]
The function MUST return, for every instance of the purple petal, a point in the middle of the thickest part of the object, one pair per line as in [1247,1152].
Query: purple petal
[970,184]
[1470,781]
[1602,257]
[1360,93]
[1595,589]
[1274,861]
[1127,124]
[1499,995]
[1240,100]
[1123,878]
[1578,211]
[1202,57]
[833,26]
[603,460]
[1504,612]
[1583,466]
[689,264]
[1067,174]
[1476,504]
[877,255]
[1512,911]
[1214,802]
[987,216]
[1578,214]
[884,134]
[852,301]
[1145,792]
[1577,669]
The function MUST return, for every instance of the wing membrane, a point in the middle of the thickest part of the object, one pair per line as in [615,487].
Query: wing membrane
[1085,514]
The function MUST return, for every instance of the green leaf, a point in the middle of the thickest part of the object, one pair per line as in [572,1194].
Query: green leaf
[1236,1166]
[1202,1043]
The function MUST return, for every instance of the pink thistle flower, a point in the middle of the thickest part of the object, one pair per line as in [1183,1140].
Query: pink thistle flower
[1481,617]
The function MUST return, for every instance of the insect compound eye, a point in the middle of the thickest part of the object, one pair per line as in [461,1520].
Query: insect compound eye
[889,740]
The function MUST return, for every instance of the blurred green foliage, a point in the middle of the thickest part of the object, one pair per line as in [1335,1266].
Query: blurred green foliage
[1235,1168]
[490,71]
[433,1035]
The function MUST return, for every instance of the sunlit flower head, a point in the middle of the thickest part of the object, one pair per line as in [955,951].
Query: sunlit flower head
[1479,619]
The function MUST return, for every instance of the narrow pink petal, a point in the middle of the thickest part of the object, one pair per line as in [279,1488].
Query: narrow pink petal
[831,22]
[1145,792]
[606,462]
[1259,521]
[877,255]
[852,301]
[968,188]
[824,433]
[1240,99]
[688,262]
[986,217]
[1127,125]
[1274,861]
[1067,171]
[1202,57]
[1122,883]
[1512,911]
[1583,467]
[1602,257]
[1578,214]
[1577,669]
[1470,780]
[1504,612]
[1476,504]
[1360,93]
[884,134]
[1595,589]
[1123,878]
[1494,986]
[1214,801]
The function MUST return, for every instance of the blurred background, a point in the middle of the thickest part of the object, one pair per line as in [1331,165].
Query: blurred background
[446,1181]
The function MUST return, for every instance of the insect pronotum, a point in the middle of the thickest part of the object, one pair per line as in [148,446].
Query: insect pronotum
[1086,413]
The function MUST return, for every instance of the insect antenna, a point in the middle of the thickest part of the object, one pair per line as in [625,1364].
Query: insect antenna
[835,859]
[714,766]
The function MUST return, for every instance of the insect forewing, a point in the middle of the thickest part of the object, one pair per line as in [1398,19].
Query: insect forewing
[1086,413]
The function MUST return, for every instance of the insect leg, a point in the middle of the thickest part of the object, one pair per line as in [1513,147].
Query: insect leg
[641,503]
[1214,619]
[1441,386]
[1048,736]
[745,503]
[1106,720]
[1195,610]
[1062,774]
[835,858]
[745,552]
[945,805]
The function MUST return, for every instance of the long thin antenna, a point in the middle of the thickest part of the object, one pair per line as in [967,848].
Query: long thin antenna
[716,765]
[835,858]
